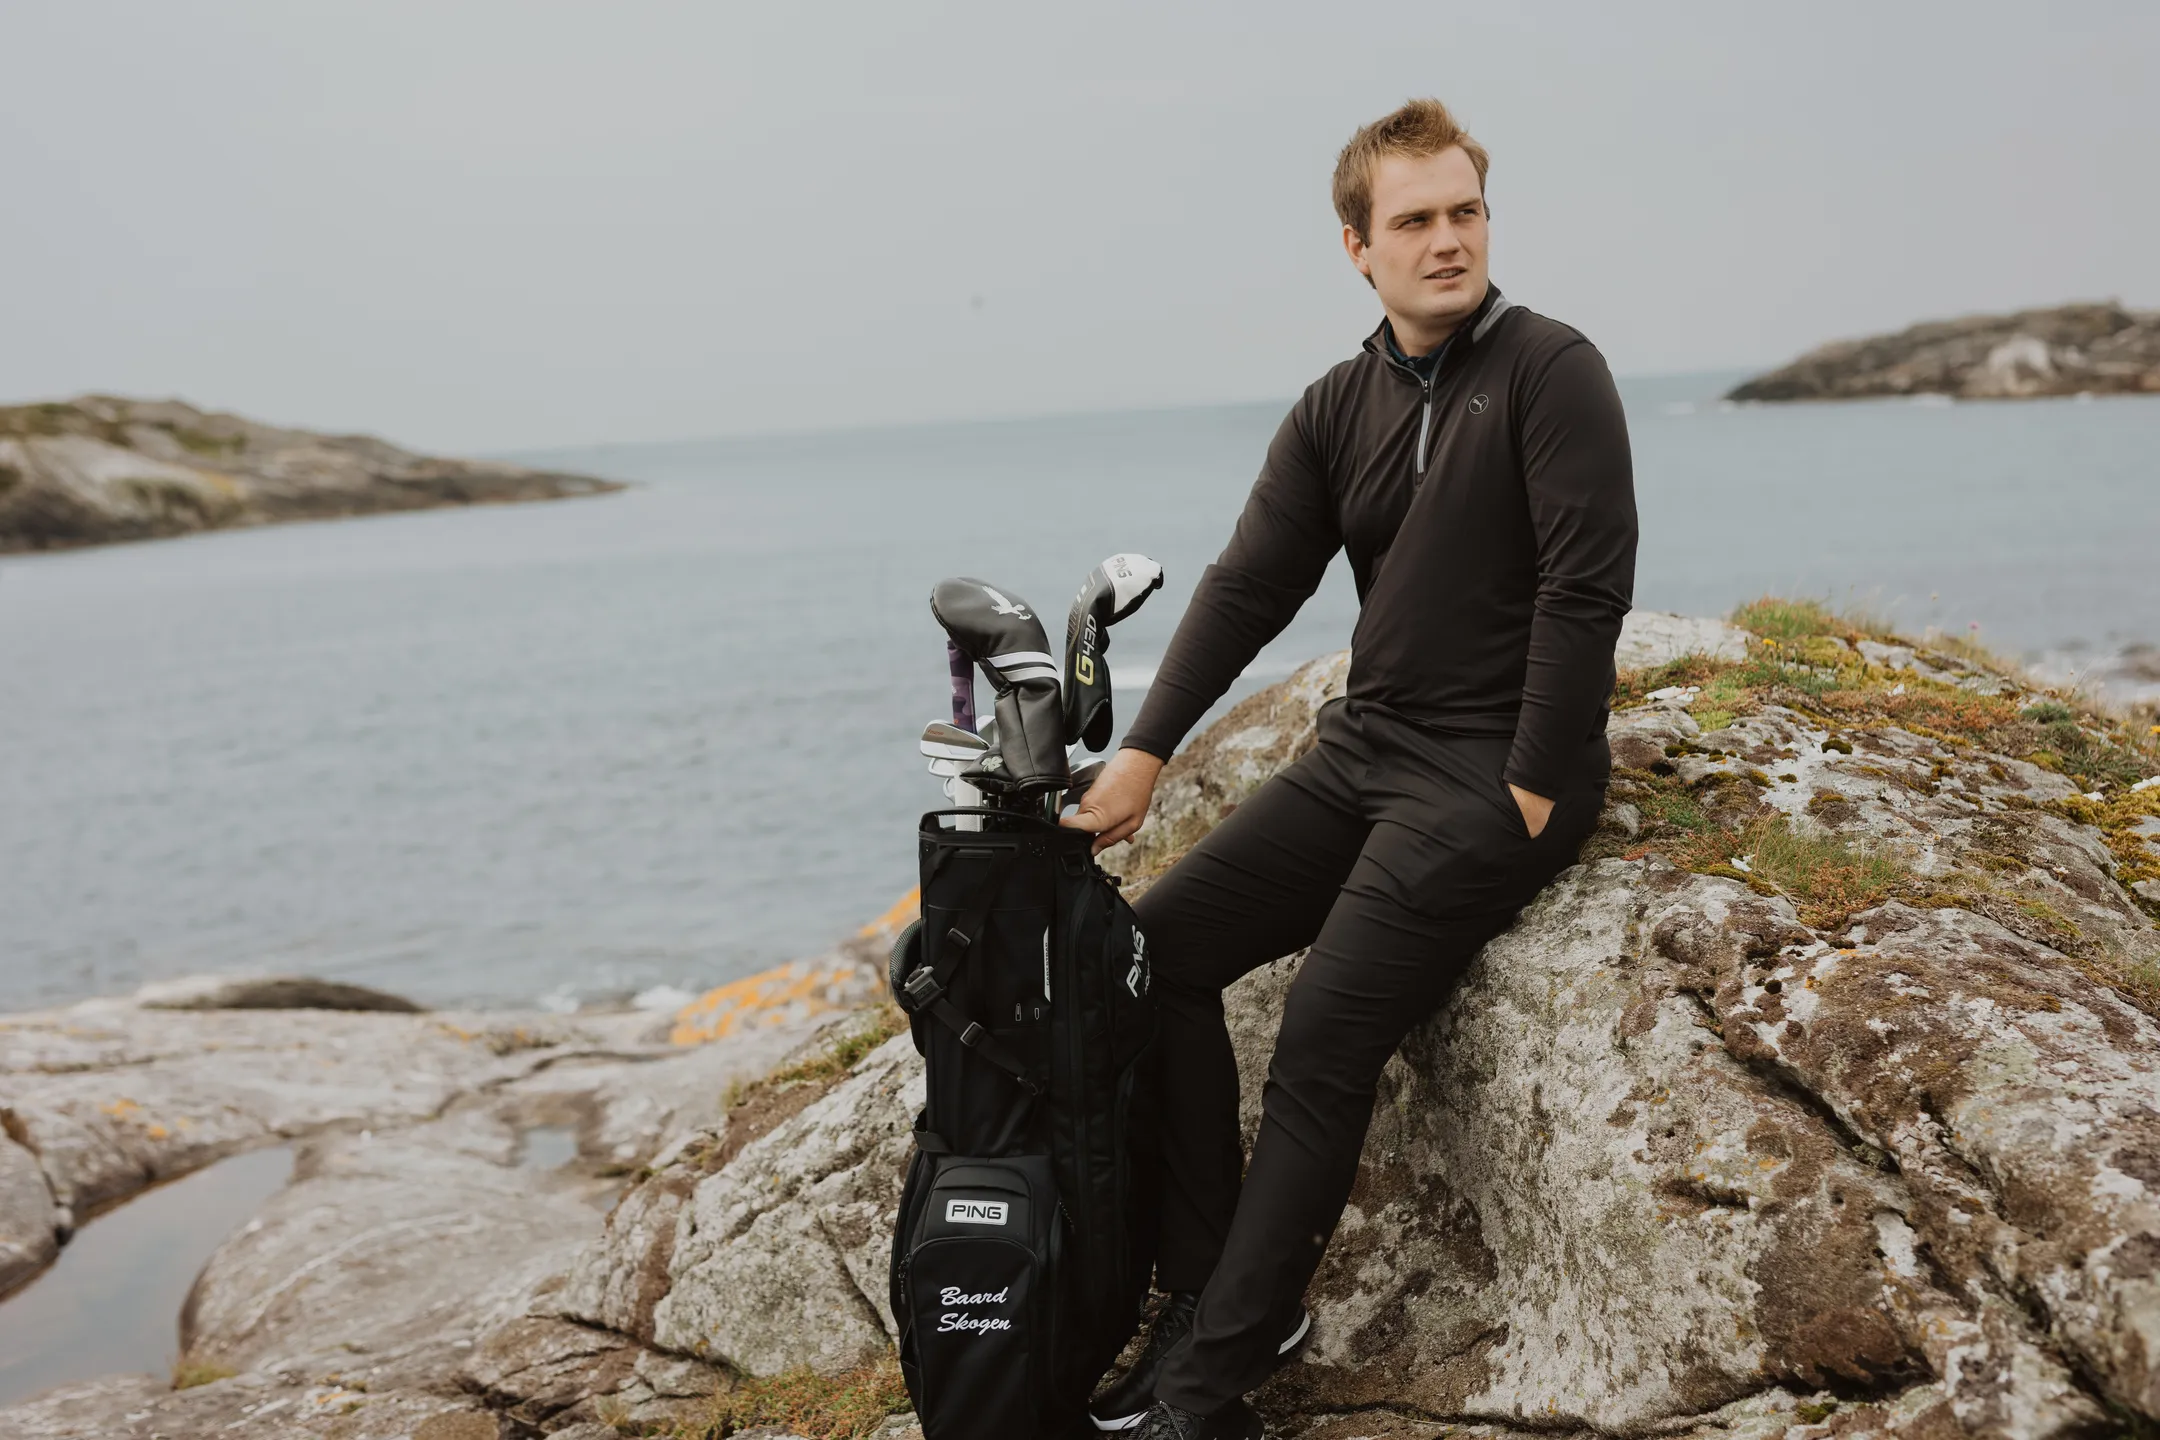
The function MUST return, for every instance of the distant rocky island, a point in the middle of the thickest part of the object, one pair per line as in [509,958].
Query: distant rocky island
[100,468]
[2098,349]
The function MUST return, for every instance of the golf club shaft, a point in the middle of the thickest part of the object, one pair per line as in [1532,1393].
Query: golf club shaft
[963,687]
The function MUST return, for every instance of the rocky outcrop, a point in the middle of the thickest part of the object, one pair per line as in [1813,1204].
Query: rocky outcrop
[388,1291]
[1689,1152]
[101,468]
[2070,350]
[1822,1098]
[105,1098]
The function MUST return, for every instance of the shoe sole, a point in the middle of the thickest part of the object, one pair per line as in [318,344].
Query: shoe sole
[1297,1336]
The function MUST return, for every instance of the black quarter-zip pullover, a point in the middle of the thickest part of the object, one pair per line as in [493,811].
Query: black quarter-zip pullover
[1489,515]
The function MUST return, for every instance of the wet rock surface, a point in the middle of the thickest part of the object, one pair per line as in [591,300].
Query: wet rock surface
[420,1219]
[102,468]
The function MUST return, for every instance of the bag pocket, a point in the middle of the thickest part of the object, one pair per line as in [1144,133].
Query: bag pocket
[977,1297]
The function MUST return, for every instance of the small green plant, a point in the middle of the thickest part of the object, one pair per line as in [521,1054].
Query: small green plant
[187,1374]
[841,1056]
[800,1402]
[1787,621]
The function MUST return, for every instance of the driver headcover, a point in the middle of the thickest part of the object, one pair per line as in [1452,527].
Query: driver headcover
[1112,591]
[1000,633]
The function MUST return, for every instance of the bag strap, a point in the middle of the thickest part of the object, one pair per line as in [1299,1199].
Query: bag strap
[925,990]
[929,1140]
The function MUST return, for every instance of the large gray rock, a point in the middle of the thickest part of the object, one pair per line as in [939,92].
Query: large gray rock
[1670,1161]
[101,468]
[387,1255]
[113,1097]
[425,1213]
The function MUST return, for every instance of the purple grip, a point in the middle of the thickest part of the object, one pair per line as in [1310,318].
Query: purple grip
[963,687]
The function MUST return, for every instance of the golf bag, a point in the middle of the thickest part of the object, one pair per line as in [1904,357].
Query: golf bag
[1019,1259]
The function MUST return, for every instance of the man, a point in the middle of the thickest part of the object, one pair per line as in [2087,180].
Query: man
[1473,460]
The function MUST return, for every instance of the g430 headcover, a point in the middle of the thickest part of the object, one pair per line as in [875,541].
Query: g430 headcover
[1003,637]
[1112,591]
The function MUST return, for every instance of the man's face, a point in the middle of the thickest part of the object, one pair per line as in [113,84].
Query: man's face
[1426,250]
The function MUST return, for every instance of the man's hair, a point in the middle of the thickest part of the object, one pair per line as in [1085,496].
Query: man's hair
[1419,128]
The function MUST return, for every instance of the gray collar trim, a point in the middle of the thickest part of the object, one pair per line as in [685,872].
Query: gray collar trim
[1500,306]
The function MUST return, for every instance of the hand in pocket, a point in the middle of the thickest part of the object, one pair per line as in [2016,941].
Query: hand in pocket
[1536,809]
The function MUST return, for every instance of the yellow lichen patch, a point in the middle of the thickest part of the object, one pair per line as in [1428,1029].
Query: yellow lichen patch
[794,991]
[902,914]
[121,1109]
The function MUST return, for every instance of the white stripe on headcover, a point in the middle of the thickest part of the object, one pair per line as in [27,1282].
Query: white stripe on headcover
[1500,306]
[1020,657]
[1031,672]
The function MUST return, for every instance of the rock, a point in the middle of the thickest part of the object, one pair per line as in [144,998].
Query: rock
[109,1097]
[2073,349]
[1670,1161]
[247,1407]
[788,994]
[268,992]
[1649,638]
[1686,1154]
[413,1263]
[101,468]
[779,1260]
[386,1256]
[29,1221]
[114,1097]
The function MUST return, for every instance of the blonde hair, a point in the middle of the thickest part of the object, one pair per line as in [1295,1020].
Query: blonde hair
[1417,129]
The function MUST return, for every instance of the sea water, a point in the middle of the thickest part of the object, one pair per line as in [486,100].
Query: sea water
[576,750]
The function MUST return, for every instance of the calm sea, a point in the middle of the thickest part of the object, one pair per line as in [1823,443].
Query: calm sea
[666,737]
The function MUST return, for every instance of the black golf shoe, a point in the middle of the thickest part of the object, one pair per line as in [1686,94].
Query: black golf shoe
[1235,1421]
[1125,1404]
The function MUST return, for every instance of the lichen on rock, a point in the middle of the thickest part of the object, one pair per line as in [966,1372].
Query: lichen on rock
[1700,1145]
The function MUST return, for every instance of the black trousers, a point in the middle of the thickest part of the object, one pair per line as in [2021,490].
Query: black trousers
[1395,853]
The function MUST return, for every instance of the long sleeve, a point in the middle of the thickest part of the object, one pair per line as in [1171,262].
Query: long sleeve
[1581,488]
[1273,563]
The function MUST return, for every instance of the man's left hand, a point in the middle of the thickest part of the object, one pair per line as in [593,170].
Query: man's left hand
[1536,809]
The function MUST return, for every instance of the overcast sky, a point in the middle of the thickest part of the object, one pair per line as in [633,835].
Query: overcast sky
[474,225]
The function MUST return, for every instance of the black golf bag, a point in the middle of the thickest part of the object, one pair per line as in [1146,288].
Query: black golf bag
[1020,1260]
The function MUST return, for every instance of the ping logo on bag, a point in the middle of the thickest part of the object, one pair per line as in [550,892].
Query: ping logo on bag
[974,1212]
[1136,978]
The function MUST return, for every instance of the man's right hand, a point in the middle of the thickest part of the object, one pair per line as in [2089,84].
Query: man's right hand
[1115,806]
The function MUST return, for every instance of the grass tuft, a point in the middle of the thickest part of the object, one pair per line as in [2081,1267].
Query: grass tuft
[800,1402]
[1787,621]
[187,1374]
[842,1055]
